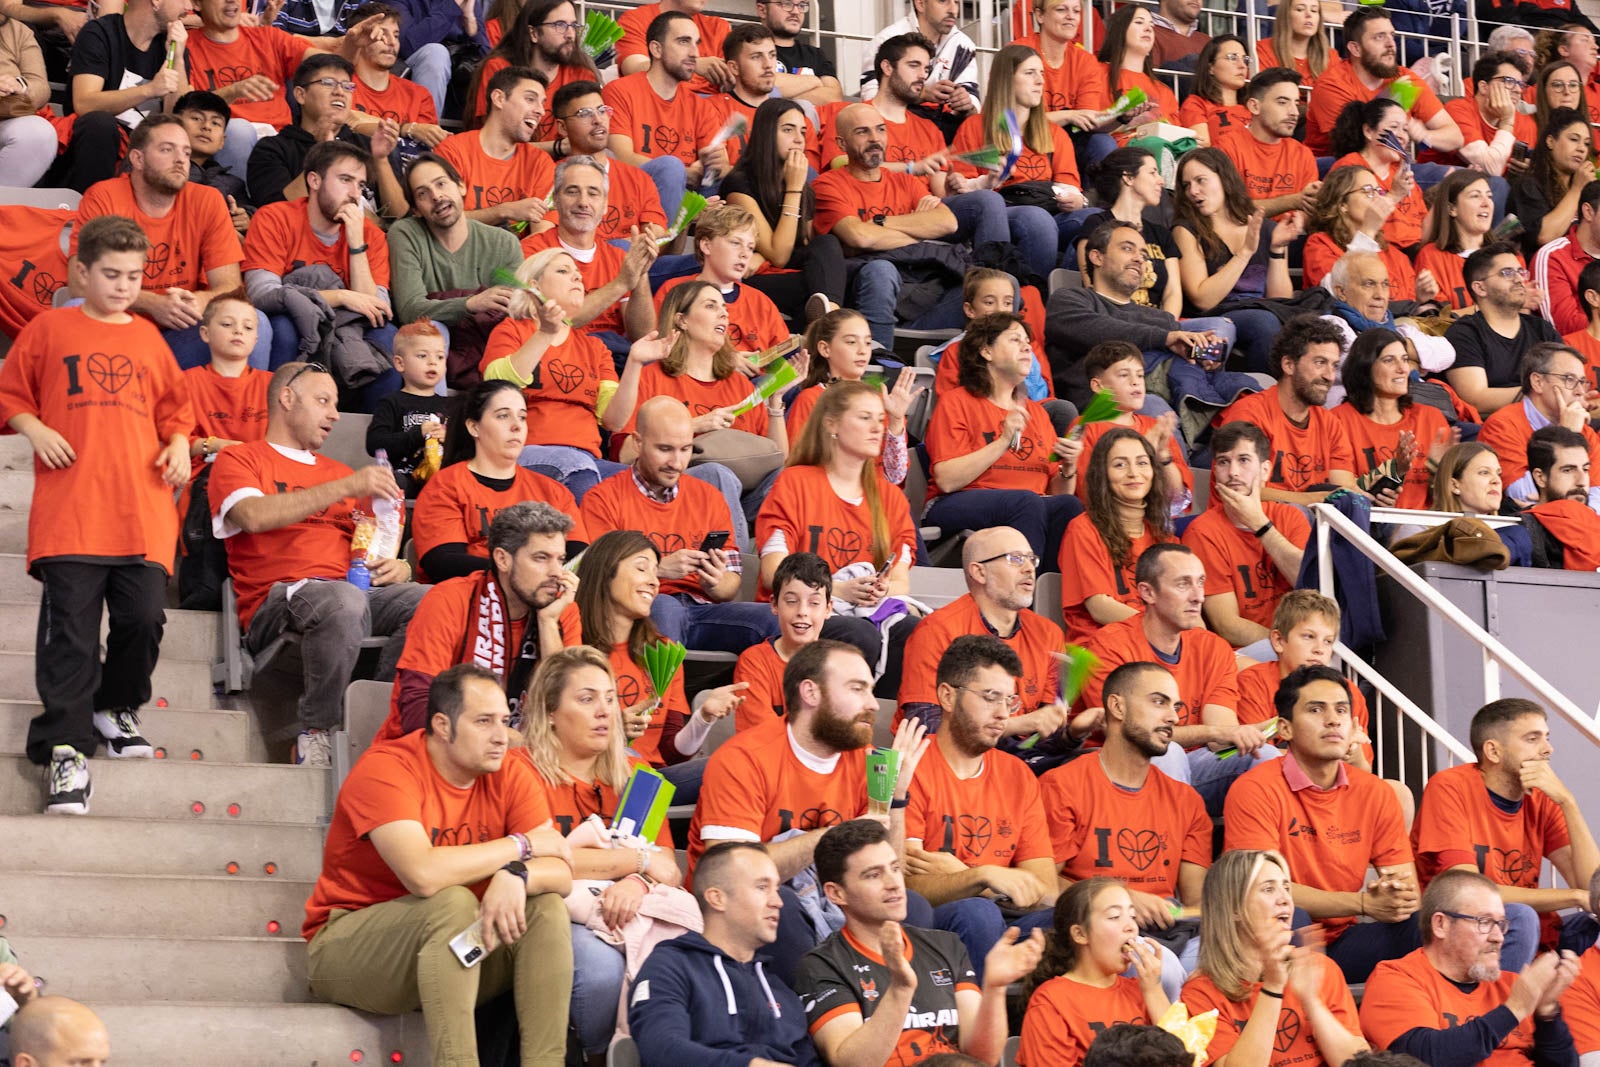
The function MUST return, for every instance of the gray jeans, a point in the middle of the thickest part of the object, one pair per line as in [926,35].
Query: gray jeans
[334,618]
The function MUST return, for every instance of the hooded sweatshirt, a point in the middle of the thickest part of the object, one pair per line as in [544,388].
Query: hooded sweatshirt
[693,1003]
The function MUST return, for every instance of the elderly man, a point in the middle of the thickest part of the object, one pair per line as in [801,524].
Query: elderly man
[1554,381]
[57,1032]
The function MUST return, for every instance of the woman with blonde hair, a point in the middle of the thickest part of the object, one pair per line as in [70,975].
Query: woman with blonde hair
[1255,978]
[1298,41]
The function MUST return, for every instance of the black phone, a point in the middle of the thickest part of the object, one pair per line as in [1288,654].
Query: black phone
[1385,484]
[714,540]
[1520,150]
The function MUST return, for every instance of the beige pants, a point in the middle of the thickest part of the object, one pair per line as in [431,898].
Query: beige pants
[395,957]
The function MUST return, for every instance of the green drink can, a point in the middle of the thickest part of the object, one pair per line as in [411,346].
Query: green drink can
[883,767]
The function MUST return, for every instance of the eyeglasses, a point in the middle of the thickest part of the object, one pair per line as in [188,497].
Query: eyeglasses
[1016,559]
[1484,923]
[331,83]
[1511,81]
[1568,381]
[562,27]
[589,114]
[307,367]
[801,6]
[1563,87]
[1372,191]
[994,698]
[1512,273]
[1231,57]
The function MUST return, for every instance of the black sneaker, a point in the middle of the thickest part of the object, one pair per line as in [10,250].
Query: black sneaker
[120,728]
[69,782]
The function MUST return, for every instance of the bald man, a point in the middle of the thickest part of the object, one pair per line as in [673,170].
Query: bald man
[693,528]
[58,1032]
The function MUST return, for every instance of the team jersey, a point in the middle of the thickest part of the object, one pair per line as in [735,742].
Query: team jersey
[455,507]
[33,262]
[258,50]
[840,193]
[1294,1044]
[1329,836]
[1236,562]
[396,781]
[754,321]
[115,393]
[677,127]
[1321,254]
[526,173]
[802,509]
[1268,170]
[1339,85]
[1581,1004]
[760,667]
[1375,443]
[1033,640]
[631,200]
[1267,57]
[564,390]
[1059,165]
[1507,433]
[995,818]
[403,101]
[636,22]
[1065,1016]
[911,140]
[1408,993]
[1301,457]
[1404,226]
[1141,836]
[573,802]
[1204,671]
[280,240]
[1216,118]
[1258,687]
[695,510]
[195,237]
[757,785]
[1087,570]
[1078,84]
[1095,430]
[233,409]
[1459,822]
[963,424]
[842,976]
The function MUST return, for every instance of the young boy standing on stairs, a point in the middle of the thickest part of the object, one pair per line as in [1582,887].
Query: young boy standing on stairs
[99,396]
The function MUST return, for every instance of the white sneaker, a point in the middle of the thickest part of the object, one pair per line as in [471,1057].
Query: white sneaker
[120,728]
[69,782]
[314,748]
[818,305]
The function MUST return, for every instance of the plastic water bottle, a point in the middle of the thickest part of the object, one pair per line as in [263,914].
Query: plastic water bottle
[390,520]
[358,575]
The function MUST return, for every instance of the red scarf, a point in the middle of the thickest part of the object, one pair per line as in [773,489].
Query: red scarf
[1577,528]
[486,642]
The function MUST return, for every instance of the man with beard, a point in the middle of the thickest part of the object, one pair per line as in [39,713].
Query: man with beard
[1370,69]
[976,834]
[384,95]
[1563,523]
[190,222]
[507,177]
[1449,1001]
[1178,35]
[1332,822]
[879,991]
[950,92]
[786,781]
[634,56]
[804,71]
[436,250]
[504,619]
[327,228]
[1310,451]
[1554,382]
[753,68]
[286,514]
[1279,172]
[1490,345]
[583,128]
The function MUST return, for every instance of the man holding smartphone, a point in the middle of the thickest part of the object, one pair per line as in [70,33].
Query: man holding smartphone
[691,525]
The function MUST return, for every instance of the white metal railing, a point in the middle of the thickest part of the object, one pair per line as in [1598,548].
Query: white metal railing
[1394,759]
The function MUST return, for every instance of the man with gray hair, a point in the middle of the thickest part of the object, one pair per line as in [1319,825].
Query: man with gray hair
[1518,41]
[505,619]
[56,1032]
[287,515]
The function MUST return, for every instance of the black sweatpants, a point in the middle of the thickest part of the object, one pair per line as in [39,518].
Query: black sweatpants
[71,681]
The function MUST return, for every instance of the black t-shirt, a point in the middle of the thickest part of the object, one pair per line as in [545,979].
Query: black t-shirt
[1159,248]
[801,58]
[103,48]
[1477,345]
[739,181]
[1529,204]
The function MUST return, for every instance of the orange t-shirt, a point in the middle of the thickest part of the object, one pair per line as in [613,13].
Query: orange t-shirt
[840,193]
[1294,1045]
[527,173]
[636,22]
[677,127]
[1159,93]
[601,269]
[233,409]
[264,50]
[1205,669]
[1321,254]
[1087,570]
[1236,563]
[1218,118]
[1268,170]
[754,321]
[1065,1016]
[33,261]
[1404,226]
[1079,84]
[572,802]
[1589,347]
[794,419]
[1060,164]
[1142,836]
[317,546]
[1301,457]
[1464,109]
[1507,433]
[700,396]
[195,237]
[1142,423]
[454,507]
[280,240]
[1449,270]
[403,101]
[492,65]
[1581,1004]
[1339,85]
[1034,639]
[1458,822]
[565,390]
[633,686]
[757,787]
[1375,443]
[1329,836]
[631,200]
[1267,57]
[397,782]
[995,818]
[802,507]
[73,374]
[762,668]
[1408,993]
[1258,688]
[695,510]
[963,424]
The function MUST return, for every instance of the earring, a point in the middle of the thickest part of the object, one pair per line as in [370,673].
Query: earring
[833,437]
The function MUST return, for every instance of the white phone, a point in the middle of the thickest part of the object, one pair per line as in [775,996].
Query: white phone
[8,1007]
[468,945]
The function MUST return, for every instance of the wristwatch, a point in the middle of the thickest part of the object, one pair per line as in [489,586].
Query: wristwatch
[518,868]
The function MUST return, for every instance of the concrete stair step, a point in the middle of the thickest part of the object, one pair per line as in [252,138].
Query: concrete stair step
[15,585]
[167,789]
[13,529]
[181,845]
[189,635]
[16,486]
[181,683]
[15,453]
[127,967]
[259,1035]
[219,736]
[54,904]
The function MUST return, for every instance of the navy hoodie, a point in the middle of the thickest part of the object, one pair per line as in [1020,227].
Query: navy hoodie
[693,1003]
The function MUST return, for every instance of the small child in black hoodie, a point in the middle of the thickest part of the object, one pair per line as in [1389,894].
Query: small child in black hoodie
[404,420]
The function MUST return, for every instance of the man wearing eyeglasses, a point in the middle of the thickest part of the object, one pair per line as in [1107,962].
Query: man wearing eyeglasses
[1491,344]
[804,71]
[1449,1002]
[1490,122]
[1554,386]
[583,128]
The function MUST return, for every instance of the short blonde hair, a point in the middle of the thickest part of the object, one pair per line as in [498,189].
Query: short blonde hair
[545,688]
[1298,605]
[1227,944]
[720,221]
[529,273]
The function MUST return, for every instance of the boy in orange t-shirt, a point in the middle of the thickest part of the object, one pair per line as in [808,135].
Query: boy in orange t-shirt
[802,600]
[1118,366]
[97,394]
[724,242]
[33,262]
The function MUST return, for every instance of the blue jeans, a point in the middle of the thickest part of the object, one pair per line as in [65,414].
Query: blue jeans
[1033,230]
[980,217]
[1257,328]
[977,921]
[285,348]
[731,627]
[430,68]
[574,468]
[727,483]
[1365,945]
[686,778]
[877,290]
[1041,519]
[670,176]
[597,975]
[1209,775]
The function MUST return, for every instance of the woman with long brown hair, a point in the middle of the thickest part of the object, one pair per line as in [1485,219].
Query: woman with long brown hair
[1352,204]
[1126,54]
[1220,74]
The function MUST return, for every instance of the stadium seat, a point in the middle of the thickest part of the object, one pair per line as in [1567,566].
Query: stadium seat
[1008,1058]
[1047,597]
[235,666]
[366,707]
[1062,278]
[938,586]
[347,441]
[622,1053]
[46,198]
[883,725]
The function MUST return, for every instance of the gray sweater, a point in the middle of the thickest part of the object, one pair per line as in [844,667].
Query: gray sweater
[1078,319]
[418,265]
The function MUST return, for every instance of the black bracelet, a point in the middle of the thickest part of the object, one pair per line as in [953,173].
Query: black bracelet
[1263,531]
[356,250]
[1269,993]
[899,802]
[1278,255]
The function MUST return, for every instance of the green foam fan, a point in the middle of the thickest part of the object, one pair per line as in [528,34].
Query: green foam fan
[767,386]
[1510,229]
[1268,729]
[1103,408]
[502,276]
[600,33]
[693,204]
[1079,664]
[661,662]
[1404,92]
[989,158]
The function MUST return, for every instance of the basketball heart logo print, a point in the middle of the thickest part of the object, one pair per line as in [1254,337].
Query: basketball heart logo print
[667,543]
[1516,867]
[627,690]
[111,373]
[155,263]
[1031,167]
[840,547]
[975,833]
[1288,1030]
[565,376]
[1139,847]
